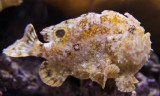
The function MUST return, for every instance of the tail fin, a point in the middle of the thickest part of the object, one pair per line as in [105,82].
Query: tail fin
[24,46]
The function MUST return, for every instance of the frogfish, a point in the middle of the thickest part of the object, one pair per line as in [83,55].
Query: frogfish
[92,46]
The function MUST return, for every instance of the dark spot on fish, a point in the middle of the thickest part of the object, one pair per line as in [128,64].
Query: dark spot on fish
[41,44]
[45,37]
[76,47]
[39,55]
[35,37]
[66,22]
[60,33]
[132,29]
[114,39]
[54,79]
[13,48]
[49,73]
[44,65]
[120,32]
[31,30]
[68,53]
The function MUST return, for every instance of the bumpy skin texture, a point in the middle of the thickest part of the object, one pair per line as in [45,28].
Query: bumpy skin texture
[95,46]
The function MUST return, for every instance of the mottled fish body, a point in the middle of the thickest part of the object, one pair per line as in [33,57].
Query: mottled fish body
[95,46]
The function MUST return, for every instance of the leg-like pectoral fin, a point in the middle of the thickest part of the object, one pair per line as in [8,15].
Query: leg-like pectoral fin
[51,75]
[99,78]
[111,71]
[125,83]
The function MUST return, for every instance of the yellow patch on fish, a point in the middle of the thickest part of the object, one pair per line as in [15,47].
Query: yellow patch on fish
[95,46]
[83,22]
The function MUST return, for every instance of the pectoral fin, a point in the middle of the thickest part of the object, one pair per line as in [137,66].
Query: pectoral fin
[51,75]
[111,71]
[99,78]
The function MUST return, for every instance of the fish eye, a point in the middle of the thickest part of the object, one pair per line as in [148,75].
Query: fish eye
[60,33]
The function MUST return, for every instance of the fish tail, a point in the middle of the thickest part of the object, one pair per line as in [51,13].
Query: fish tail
[25,46]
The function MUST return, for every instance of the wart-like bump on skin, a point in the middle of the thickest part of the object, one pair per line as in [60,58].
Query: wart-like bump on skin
[41,44]
[76,47]
[132,28]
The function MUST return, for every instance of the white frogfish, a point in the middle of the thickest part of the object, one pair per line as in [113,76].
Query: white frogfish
[95,46]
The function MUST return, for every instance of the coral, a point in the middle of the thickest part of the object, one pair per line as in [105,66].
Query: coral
[147,86]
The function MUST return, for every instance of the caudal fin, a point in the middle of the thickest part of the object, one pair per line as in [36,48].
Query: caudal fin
[24,46]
